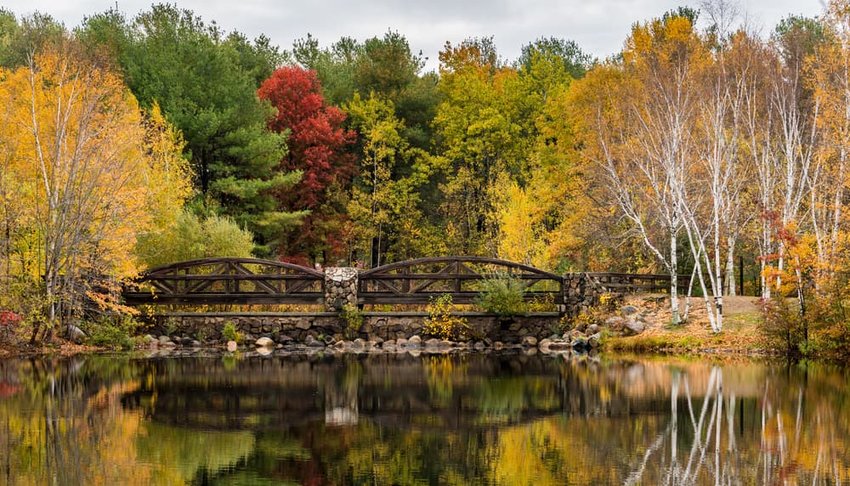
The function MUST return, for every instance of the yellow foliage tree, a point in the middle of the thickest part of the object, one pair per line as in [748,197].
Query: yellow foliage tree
[89,173]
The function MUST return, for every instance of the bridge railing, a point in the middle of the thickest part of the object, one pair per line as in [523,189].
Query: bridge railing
[418,281]
[228,281]
[631,283]
[248,281]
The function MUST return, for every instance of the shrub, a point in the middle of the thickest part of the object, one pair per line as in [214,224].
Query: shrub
[170,326]
[230,333]
[596,314]
[353,319]
[27,297]
[202,334]
[9,323]
[820,327]
[442,323]
[502,294]
[114,332]
[561,326]
[543,304]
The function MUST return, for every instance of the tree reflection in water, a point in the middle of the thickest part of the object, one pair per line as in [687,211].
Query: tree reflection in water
[459,419]
[722,451]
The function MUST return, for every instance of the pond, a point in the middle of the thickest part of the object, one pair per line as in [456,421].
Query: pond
[461,419]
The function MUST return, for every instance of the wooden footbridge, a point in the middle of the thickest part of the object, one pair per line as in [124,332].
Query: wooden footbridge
[228,281]
[248,281]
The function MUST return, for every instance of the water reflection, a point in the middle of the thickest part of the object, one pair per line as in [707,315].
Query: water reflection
[459,419]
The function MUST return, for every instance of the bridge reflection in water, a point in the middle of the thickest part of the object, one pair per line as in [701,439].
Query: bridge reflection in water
[459,419]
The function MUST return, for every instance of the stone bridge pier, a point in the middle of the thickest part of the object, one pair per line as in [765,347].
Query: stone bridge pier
[340,288]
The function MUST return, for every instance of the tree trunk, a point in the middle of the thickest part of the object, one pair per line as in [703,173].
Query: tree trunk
[730,268]
[674,281]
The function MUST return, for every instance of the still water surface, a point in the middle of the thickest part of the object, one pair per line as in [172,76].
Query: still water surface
[439,419]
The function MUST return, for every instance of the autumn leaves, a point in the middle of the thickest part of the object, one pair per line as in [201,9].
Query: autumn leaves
[85,173]
[718,143]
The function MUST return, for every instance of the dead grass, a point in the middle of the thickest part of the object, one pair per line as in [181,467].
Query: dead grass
[740,333]
[59,347]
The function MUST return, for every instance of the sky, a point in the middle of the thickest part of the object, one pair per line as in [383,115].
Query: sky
[598,26]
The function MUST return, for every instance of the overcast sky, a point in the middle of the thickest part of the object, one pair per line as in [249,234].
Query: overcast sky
[599,26]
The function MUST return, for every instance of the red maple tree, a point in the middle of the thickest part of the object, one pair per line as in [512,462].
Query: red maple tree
[318,146]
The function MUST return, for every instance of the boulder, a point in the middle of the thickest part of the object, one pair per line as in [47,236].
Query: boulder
[529,341]
[313,342]
[195,344]
[615,323]
[633,327]
[264,342]
[594,340]
[415,341]
[432,343]
[231,346]
[168,345]
[403,343]
[478,346]
[358,343]
[628,310]
[498,345]
[579,343]
[573,335]
[164,339]
[559,345]
[76,335]
[592,329]
[303,324]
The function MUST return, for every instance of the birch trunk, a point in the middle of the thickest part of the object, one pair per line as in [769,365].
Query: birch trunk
[674,282]
[730,268]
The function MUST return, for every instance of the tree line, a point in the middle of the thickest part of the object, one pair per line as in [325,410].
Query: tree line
[718,142]
[134,142]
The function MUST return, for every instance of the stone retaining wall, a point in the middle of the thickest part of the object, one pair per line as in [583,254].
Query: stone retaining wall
[385,327]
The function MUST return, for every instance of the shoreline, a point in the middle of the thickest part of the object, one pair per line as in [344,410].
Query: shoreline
[611,346]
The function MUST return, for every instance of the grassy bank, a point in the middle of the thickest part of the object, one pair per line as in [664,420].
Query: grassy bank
[740,335]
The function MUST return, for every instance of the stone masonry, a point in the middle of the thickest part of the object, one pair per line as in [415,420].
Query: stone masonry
[283,329]
[340,288]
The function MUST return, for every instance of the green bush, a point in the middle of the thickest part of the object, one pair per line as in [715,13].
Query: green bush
[192,237]
[502,294]
[230,333]
[442,323]
[114,332]
[353,319]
